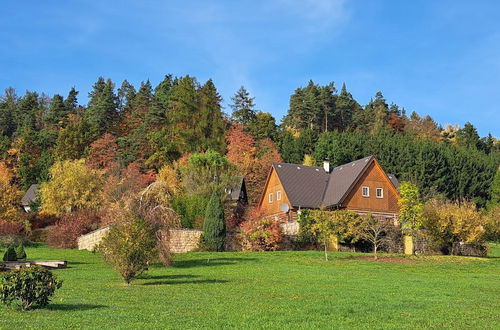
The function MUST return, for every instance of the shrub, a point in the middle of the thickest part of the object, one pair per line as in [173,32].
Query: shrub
[447,223]
[20,253]
[65,233]
[191,209]
[214,227]
[31,286]
[10,254]
[11,228]
[130,246]
[259,233]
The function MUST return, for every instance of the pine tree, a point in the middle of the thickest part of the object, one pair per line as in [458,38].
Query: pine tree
[214,227]
[243,107]
[125,95]
[468,137]
[346,107]
[102,108]
[264,126]
[211,123]
[8,103]
[71,102]
[57,111]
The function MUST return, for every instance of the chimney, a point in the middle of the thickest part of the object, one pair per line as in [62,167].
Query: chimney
[326,166]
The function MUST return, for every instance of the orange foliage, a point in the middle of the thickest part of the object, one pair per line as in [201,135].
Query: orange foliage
[103,154]
[253,159]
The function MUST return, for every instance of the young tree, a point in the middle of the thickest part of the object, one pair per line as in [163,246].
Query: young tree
[72,186]
[214,227]
[410,208]
[374,231]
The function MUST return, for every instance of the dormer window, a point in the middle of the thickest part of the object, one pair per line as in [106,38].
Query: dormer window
[365,191]
[270,197]
[380,193]
[278,195]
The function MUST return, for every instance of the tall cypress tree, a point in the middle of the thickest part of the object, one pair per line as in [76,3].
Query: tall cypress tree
[214,226]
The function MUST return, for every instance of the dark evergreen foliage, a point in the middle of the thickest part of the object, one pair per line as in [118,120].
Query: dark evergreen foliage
[214,227]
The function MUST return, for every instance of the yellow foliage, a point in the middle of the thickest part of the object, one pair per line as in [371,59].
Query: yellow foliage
[9,203]
[452,222]
[168,176]
[72,186]
[308,160]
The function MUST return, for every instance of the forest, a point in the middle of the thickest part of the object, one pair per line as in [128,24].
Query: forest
[129,136]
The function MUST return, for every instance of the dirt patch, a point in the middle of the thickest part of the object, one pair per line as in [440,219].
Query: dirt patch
[393,260]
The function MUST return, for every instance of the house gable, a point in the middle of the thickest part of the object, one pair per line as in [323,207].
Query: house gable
[273,186]
[372,178]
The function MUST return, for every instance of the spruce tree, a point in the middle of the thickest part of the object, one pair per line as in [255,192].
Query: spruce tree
[57,111]
[71,102]
[214,226]
[243,107]
[10,254]
[210,127]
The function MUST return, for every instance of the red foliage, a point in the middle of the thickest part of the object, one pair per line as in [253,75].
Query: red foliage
[397,123]
[252,158]
[65,233]
[11,228]
[39,221]
[259,233]
[103,153]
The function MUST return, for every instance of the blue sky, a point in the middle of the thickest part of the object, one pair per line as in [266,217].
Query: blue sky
[435,57]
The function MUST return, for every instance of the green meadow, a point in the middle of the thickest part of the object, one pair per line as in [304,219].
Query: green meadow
[271,290]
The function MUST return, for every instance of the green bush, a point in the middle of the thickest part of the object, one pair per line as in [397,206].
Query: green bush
[10,254]
[31,287]
[214,227]
[20,253]
[130,246]
[192,209]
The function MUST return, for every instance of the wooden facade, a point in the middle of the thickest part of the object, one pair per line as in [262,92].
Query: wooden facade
[373,178]
[370,192]
[274,188]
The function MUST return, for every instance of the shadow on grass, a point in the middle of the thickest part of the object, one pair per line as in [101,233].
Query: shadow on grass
[73,307]
[186,282]
[165,277]
[209,262]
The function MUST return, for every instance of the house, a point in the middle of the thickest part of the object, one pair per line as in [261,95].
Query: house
[361,186]
[29,197]
[237,191]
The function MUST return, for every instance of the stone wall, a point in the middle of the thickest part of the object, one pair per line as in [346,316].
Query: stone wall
[184,240]
[91,240]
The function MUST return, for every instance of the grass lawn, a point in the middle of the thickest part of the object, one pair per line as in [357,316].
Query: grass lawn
[271,290]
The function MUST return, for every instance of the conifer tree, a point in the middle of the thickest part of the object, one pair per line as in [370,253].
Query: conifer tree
[102,108]
[71,101]
[57,111]
[243,107]
[214,227]
[211,123]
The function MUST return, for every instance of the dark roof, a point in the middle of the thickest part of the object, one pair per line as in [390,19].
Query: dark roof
[30,195]
[304,185]
[312,187]
[342,178]
[235,188]
[394,180]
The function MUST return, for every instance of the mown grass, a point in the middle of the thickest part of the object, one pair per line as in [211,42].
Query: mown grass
[271,290]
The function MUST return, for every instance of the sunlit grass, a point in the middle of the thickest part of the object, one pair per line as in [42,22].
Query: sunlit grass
[272,290]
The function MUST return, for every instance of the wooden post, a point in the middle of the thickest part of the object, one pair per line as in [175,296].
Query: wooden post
[334,243]
[408,244]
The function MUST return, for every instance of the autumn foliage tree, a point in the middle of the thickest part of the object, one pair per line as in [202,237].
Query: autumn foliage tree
[102,154]
[252,158]
[9,198]
[72,186]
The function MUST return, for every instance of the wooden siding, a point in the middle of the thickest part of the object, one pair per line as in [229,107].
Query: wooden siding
[273,185]
[374,177]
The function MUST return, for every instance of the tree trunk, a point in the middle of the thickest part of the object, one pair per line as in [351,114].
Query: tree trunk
[326,251]
[375,247]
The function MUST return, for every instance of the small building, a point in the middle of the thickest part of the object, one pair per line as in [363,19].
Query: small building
[29,197]
[237,192]
[361,186]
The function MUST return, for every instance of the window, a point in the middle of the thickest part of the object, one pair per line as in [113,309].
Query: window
[270,197]
[365,192]
[380,193]
[278,195]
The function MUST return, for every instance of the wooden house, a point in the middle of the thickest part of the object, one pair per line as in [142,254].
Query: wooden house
[361,186]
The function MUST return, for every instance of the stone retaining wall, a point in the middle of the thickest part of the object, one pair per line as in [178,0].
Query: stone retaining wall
[184,240]
[91,240]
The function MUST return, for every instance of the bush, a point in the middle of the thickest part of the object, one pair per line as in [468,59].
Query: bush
[259,233]
[31,286]
[64,235]
[20,253]
[214,227]
[10,254]
[192,209]
[11,228]
[130,246]
[448,223]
